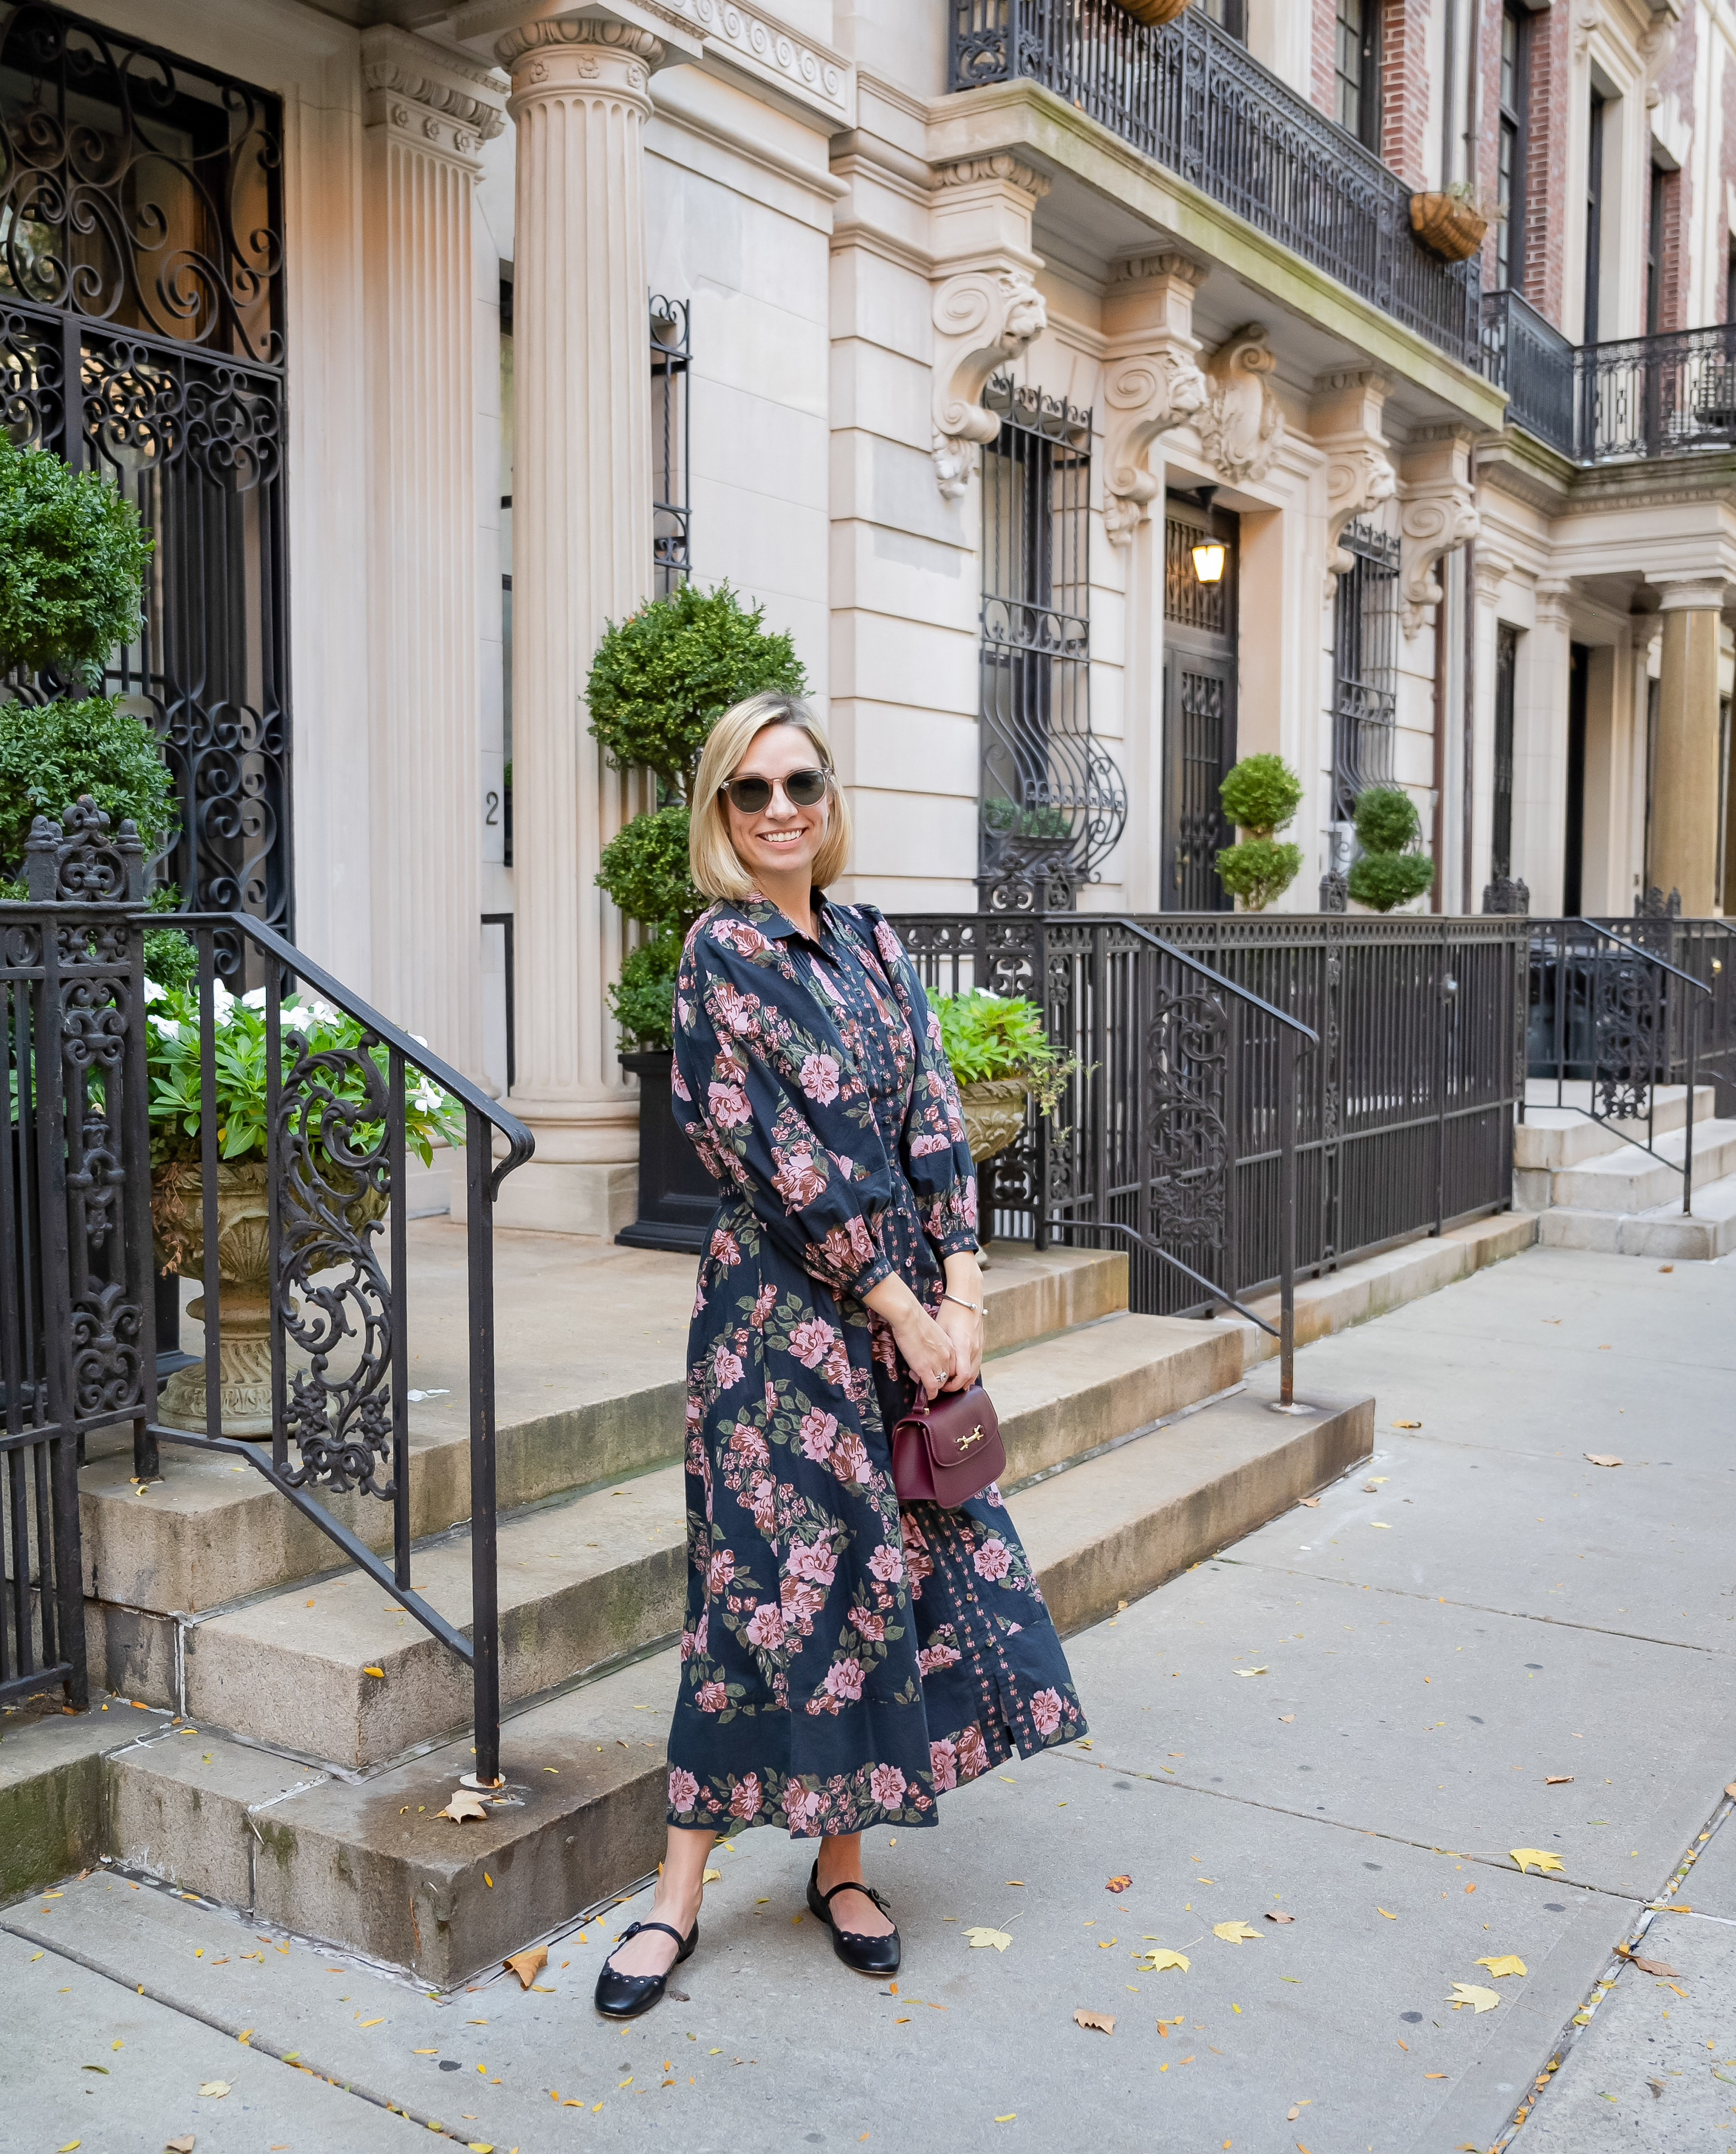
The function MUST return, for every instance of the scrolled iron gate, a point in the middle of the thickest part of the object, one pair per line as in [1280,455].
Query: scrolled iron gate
[142,335]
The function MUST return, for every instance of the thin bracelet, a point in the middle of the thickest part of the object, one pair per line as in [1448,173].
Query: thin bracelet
[974,1307]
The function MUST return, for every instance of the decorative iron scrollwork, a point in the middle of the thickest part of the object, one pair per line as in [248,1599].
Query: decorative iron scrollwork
[1188,1137]
[1507,896]
[1627,1022]
[332,1169]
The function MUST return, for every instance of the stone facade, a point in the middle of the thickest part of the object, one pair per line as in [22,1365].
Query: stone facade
[863,254]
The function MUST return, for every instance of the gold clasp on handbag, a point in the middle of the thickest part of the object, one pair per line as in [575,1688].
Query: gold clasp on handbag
[975,1437]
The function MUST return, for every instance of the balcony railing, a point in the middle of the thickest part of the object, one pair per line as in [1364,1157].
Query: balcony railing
[1600,403]
[1195,100]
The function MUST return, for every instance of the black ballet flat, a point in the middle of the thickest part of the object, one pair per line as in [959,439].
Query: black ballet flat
[625,1996]
[866,1955]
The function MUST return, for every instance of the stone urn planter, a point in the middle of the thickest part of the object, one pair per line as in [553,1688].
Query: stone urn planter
[177,1204]
[993,1114]
[1448,225]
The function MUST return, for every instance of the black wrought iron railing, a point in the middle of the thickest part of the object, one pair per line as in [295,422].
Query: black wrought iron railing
[1621,1021]
[308,1221]
[1194,99]
[1207,1132]
[1646,396]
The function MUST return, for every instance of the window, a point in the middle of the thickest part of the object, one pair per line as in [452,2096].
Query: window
[1594,220]
[1365,663]
[1053,803]
[1506,683]
[672,516]
[1730,284]
[1655,214]
[1358,69]
[1512,151]
[1232,14]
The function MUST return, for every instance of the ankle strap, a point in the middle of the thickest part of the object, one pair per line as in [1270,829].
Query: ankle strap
[850,1885]
[633,1929]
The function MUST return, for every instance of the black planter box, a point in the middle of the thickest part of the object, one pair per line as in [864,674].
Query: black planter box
[677,1198]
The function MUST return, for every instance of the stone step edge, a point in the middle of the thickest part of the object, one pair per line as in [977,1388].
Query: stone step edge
[1373,1286]
[630,1432]
[429,1909]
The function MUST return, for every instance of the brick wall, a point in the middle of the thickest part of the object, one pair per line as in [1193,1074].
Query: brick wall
[1549,196]
[1326,46]
[1677,79]
[1404,87]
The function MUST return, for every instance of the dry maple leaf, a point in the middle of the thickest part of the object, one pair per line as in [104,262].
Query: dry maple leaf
[462,1805]
[1272,1918]
[1233,1933]
[1161,1957]
[1118,1884]
[1104,2022]
[1558,1779]
[1500,1963]
[1537,1858]
[1473,1994]
[181,2145]
[1652,1967]
[528,1965]
[1603,1459]
[981,1935]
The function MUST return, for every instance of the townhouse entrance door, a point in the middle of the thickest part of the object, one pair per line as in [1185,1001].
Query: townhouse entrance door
[1199,702]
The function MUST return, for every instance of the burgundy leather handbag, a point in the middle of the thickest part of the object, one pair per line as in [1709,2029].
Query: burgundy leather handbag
[947,1449]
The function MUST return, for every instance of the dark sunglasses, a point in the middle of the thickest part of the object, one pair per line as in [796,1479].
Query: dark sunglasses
[804,788]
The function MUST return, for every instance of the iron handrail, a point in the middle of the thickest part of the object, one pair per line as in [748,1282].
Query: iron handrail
[1685,1168]
[484,1119]
[1297,1035]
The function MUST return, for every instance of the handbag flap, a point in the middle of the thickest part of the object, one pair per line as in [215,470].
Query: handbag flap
[960,1425]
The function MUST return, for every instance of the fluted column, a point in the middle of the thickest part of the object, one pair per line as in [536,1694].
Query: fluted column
[1539,751]
[427,113]
[581,557]
[1491,572]
[1682,852]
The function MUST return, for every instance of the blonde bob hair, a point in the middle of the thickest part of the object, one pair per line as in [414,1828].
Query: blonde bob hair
[716,865]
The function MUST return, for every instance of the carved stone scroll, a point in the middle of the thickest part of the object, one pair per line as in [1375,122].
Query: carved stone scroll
[1439,514]
[1360,477]
[983,319]
[1240,425]
[1151,380]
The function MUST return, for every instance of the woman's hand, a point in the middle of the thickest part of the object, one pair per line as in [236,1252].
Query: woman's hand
[928,1347]
[963,1327]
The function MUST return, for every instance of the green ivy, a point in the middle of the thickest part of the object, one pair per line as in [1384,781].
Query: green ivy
[662,677]
[50,753]
[72,565]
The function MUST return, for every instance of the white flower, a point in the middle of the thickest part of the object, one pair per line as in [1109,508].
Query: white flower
[154,994]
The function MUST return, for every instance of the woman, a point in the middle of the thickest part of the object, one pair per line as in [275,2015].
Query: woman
[842,1667]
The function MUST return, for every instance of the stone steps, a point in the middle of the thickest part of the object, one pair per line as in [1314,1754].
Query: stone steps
[584,1581]
[1664,1231]
[1552,1137]
[1627,1179]
[369,1866]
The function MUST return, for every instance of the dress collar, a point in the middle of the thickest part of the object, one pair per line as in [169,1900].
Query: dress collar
[776,924]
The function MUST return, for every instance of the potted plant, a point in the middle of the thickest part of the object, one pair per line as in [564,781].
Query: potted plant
[1156,12]
[1260,797]
[660,681]
[1450,220]
[338,1125]
[1388,873]
[1002,1058]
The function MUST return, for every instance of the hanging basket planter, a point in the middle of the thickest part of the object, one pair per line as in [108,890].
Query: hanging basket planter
[1156,12]
[1448,224]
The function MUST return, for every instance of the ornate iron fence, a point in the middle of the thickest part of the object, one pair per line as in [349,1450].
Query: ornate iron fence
[1177,1136]
[301,1232]
[141,335]
[1622,1019]
[1192,98]
[1530,359]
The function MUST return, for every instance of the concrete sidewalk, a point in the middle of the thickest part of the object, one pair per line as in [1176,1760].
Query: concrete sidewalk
[1479,1642]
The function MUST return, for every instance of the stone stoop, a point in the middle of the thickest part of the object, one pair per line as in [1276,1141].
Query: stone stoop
[1593,1190]
[304,1789]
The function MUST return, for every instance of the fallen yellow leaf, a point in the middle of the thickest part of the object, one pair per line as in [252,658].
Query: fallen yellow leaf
[1538,1858]
[1407,1424]
[181,2145]
[1118,1884]
[712,1877]
[1104,2022]
[1557,1779]
[1233,1933]
[1505,1963]
[462,1806]
[1603,1459]
[1470,1992]
[1380,1525]
[1253,1671]
[1387,1912]
[372,2023]
[1161,1957]
[381,1673]
[216,2089]
[1310,1502]
[1010,2117]
[982,1936]
[528,1965]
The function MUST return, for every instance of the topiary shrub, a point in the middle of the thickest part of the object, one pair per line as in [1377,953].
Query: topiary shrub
[72,566]
[660,681]
[50,753]
[1388,873]
[1260,795]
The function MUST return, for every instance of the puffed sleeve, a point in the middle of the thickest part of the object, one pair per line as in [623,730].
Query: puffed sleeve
[769,1098]
[936,1156]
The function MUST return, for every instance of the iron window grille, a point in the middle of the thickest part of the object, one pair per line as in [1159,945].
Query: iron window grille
[1053,802]
[1365,666]
[142,335]
[1199,707]
[1506,688]
[672,514]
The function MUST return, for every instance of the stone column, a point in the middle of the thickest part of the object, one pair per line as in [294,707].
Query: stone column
[1682,848]
[427,112]
[1539,751]
[1492,571]
[581,557]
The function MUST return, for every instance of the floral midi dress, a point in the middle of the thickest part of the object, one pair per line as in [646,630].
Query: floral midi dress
[843,1663]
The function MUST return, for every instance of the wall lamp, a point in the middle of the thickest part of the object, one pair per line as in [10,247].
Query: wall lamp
[1209,553]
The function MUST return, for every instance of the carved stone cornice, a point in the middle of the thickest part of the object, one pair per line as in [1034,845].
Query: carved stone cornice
[1492,571]
[432,98]
[1152,378]
[811,72]
[1360,477]
[1439,515]
[970,171]
[1240,425]
[1550,597]
[1689,594]
[519,49]
[983,319]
